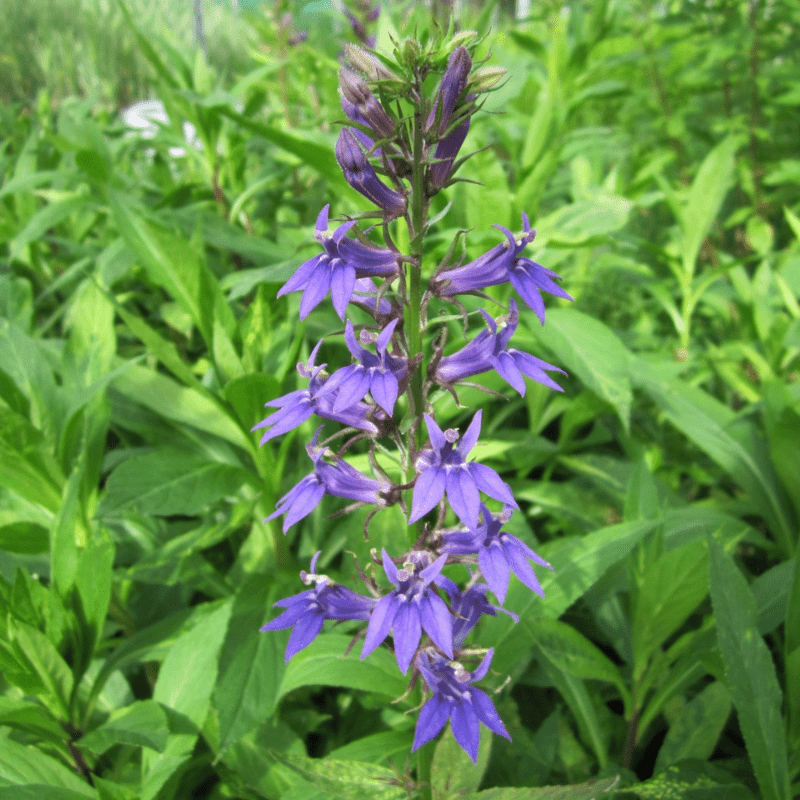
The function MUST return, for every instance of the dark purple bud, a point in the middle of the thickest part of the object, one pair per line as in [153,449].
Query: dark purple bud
[361,175]
[363,107]
[454,82]
[445,154]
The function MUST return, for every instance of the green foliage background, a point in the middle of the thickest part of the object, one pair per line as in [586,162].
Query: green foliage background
[654,147]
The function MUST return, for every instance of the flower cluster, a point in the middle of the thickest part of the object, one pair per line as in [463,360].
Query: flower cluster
[398,150]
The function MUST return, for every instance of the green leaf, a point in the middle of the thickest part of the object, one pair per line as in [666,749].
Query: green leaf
[706,194]
[167,482]
[671,588]
[93,583]
[180,404]
[39,658]
[30,717]
[695,732]
[579,791]
[733,443]
[36,791]
[571,652]
[693,780]
[751,675]
[67,532]
[170,262]
[143,723]
[590,350]
[324,663]
[22,765]
[45,219]
[452,770]
[583,221]
[251,664]
[26,538]
[348,780]
[378,748]
[582,705]
[782,419]
[185,682]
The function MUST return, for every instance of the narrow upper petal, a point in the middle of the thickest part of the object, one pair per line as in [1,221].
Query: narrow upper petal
[470,438]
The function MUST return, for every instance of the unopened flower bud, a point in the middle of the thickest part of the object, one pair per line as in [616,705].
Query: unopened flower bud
[486,78]
[365,63]
[454,81]
[363,106]
[361,175]
[460,39]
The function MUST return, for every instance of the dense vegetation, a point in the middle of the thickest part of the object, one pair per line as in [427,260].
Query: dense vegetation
[654,147]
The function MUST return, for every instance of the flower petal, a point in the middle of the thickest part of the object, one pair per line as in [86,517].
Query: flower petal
[463,496]
[304,632]
[432,718]
[437,622]
[407,632]
[466,728]
[487,713]
[428,491]
[380,623]
[489,482]
[494,566]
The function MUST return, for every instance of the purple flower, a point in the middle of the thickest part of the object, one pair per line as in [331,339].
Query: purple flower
[444,469]
[296,407]
[411,607]
[361,175]
[308,610]
[378,374]
[337,269]
[468,607]
[338,479]
[490,350]
[502,264]
[499,553]
[455,699]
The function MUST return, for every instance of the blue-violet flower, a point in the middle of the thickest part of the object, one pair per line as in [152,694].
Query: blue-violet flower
[338,479]
[498,551]
[489,350]
[337,269]
[308,610]
[502,264]
[455,699]
[444,468]
[411,607]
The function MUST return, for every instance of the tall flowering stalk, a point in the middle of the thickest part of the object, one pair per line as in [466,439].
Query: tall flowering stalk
[399,150]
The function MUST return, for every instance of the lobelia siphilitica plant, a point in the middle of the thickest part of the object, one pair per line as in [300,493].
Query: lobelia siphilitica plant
[399,149]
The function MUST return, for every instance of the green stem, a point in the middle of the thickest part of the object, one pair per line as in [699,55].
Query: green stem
[416,218]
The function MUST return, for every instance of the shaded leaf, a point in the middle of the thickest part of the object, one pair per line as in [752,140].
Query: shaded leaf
[751,675]
[167,482]
[323,663]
